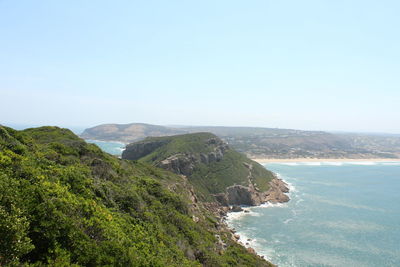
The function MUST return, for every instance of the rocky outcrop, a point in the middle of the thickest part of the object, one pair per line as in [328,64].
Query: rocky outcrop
[219,150]
[276,194]
[243,195]
[179,163]
[185,163]
[249,196]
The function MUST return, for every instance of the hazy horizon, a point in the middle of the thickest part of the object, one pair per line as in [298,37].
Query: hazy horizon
[309,65]
[79,129]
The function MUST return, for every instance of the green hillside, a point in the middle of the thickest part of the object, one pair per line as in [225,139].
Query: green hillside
[64,202]
[208,177]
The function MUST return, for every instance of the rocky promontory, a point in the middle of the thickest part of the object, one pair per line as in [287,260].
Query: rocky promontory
[216,171]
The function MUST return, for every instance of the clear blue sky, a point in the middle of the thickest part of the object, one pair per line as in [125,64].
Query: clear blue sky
[326,65]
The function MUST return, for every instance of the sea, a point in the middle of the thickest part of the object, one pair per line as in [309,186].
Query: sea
[340,214]
[114,148]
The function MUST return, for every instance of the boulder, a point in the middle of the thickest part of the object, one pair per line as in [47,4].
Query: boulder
[236,208]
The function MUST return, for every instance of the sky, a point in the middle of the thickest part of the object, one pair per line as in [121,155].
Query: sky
[314,65]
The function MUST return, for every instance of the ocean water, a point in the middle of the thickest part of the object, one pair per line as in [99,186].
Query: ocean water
[114,148]
[340,214]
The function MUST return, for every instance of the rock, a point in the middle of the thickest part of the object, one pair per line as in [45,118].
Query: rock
[179,163]
[243,195]
[246,211]
[281,185]
[248,239]
[204,158]
[220,244]
[236,236]
[222,199]
[236,208]
[252,251]
[276,193]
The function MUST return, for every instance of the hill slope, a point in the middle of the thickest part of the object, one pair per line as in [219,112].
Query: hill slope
[64,202]
[216,171]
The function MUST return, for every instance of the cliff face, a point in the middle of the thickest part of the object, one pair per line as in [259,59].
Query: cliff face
[184,163]
[217,172]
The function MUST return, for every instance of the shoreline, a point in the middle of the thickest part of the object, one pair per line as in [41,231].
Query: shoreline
[278,187]
[270,160]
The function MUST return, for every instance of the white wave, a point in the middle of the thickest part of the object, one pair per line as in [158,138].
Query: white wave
[292,188]
[312,163]
[333,163]
[233,216]
[288,163]
[250,212]
[273,205]
[391,163]
[367,163]
[338,163]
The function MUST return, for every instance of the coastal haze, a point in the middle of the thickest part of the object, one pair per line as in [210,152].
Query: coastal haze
[266,143]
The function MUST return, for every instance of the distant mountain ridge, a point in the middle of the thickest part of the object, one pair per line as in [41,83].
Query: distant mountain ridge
[265,142]
[127,133]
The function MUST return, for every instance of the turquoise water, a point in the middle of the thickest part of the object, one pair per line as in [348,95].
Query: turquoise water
[114,148]
[340,214]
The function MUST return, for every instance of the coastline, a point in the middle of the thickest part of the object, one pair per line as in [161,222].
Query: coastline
[278,187]
[270,160]
[104,141]
[277,195]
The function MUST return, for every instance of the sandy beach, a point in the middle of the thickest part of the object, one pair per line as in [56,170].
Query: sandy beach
[266,160]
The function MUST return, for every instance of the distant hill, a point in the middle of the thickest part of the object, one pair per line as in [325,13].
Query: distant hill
[216,171]
[127,133]
[64,202]
[268,142]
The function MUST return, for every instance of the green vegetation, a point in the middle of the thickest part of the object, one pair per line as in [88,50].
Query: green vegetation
[213,177]
[177,144]
[217,176]
[64,202]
